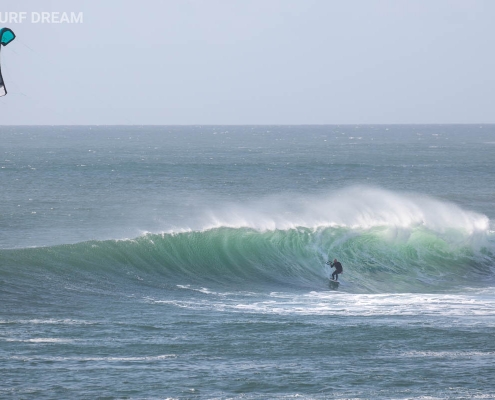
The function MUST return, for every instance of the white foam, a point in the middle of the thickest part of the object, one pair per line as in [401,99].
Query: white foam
[200,290]
[357,207]
[476,307]
[97,359]
[448,354]
[41,340]
[47,321]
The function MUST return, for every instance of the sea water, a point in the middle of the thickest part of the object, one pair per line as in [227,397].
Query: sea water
[183,262]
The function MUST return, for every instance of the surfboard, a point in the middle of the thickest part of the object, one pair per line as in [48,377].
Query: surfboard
[333,284]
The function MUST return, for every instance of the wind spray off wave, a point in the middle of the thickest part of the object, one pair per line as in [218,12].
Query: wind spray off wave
[356,207]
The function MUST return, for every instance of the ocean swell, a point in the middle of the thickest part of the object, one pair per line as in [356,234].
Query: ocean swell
[387,242]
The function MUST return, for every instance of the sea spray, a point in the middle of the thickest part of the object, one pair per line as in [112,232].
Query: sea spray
[356,207]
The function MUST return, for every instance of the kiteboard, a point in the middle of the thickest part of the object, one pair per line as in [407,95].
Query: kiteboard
[333,284]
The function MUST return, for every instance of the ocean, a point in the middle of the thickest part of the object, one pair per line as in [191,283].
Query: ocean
[189,262]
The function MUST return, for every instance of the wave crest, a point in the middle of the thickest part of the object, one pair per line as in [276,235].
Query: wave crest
[356,207]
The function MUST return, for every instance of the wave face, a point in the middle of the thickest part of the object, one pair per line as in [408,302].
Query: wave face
[387,242]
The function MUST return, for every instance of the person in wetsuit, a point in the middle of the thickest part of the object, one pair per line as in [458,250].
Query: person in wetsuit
[338,269]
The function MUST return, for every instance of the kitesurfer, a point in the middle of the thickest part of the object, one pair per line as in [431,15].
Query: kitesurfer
[338,269]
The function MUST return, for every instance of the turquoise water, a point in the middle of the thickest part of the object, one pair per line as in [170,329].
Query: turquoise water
[189,262]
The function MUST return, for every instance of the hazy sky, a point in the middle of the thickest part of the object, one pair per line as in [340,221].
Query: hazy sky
[251,62]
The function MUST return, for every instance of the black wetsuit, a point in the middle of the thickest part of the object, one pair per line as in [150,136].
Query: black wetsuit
[338,270]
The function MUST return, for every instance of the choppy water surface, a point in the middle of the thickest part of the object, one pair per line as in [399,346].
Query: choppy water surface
[189,262]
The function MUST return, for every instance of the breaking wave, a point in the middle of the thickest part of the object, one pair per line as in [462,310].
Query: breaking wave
[387,242]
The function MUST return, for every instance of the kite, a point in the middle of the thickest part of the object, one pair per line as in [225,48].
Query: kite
[6,36]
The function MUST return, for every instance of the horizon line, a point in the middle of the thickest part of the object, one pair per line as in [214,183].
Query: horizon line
[309,124]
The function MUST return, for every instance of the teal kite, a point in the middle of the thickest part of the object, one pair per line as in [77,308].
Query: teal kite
[6,36]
